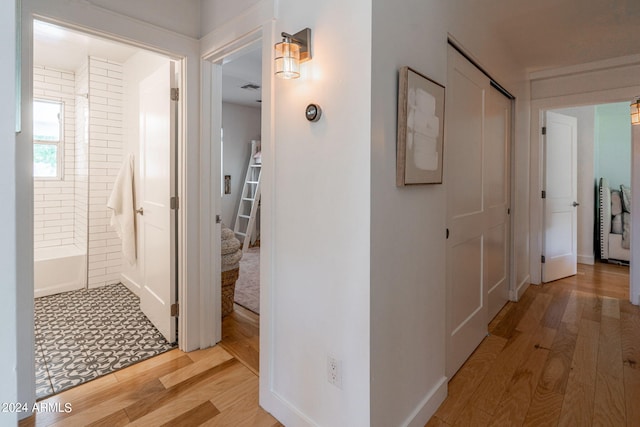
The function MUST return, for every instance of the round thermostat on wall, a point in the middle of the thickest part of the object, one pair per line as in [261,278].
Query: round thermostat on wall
[313,112]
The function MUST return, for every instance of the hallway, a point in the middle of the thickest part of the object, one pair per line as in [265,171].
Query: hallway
[566,354]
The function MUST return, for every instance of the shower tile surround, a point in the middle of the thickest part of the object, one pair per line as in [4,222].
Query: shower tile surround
[74,209]
[84,334]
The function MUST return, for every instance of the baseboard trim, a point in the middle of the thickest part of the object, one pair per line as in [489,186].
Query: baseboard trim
[586,259]
[285,412]
[425,410]
[516,294]
[131,284]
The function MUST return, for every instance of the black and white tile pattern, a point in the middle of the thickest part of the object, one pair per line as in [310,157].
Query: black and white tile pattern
[81,335]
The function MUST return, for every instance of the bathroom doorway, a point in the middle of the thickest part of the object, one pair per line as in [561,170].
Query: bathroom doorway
[105,202]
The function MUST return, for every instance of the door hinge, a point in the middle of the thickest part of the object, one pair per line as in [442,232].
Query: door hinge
[542,259]
[544,130]
[175,310]
[544,194]
[218,219]
[175,94]
[508,211]
[175,202]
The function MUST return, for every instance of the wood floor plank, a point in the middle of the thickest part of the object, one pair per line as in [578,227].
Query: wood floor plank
[473,416]
[182,397]
[467,379]
[515,400]
[546,403]
[632,395]
[194,417]
[86,398]
[578,402]
[544,409]
[630,338]
[436,422]
[244,413]
[609,403]
[241,337]
[161,397]
[611,307]
[531,321]
[506,327]
[553,316]
[97,410]
[116,419]
[488,393]
[214,357]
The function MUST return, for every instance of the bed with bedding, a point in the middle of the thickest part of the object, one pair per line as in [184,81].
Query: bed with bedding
[614,222]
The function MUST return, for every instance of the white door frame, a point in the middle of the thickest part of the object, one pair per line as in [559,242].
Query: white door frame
[538,108]
[180,185]
[257,23]
[180,151]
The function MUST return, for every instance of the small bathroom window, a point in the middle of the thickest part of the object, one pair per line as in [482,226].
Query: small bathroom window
[47,139]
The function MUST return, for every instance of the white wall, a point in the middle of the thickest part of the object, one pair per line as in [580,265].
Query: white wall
[214,13]
[241,124]
[320,202]
[587,180]
[179,16]
[408,224]
[9,332]
[134,70]
[613,143]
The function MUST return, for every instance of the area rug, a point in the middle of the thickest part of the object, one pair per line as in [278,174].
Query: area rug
[247,292]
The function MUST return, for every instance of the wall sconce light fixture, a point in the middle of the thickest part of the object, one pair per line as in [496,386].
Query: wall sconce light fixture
[293,50]
[635,112]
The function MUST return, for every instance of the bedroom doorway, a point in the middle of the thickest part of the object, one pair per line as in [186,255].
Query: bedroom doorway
[603,150]
[240,179]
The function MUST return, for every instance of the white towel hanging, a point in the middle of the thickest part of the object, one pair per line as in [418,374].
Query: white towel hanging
[121,203]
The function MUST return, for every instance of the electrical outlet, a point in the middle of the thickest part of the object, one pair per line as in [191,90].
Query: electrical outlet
[334,371]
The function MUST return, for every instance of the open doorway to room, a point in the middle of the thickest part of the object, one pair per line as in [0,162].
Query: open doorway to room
[105,222]
[593,228]
[241,174]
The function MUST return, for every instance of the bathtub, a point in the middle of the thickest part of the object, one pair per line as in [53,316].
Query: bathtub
[58,269]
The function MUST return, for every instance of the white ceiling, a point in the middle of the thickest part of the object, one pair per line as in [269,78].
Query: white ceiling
[240,71]
[65,49]
[538,35]
[545,34]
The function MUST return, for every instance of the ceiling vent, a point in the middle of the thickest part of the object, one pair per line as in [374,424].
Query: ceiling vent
[250,86]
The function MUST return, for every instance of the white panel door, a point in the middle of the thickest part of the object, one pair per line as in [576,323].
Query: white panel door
[560,213]
[467,316]
[157,172]
[497,199]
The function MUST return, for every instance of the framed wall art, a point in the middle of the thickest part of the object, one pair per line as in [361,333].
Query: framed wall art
[420,129]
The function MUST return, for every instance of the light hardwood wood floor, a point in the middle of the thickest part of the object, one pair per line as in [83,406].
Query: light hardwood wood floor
[567,354]
[213,387]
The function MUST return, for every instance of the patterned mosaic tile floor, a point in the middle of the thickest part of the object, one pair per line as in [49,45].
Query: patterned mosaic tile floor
[84,334]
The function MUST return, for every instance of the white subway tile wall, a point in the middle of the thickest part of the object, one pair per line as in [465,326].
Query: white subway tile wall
[105,159]
[73,211]
[53,221]
[82,155]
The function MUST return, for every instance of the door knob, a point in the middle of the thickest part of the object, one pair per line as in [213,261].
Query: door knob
[140,211]
[574,204]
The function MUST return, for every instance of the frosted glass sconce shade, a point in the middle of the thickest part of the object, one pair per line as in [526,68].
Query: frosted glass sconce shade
[287,59]
[289,53]
[635,112]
